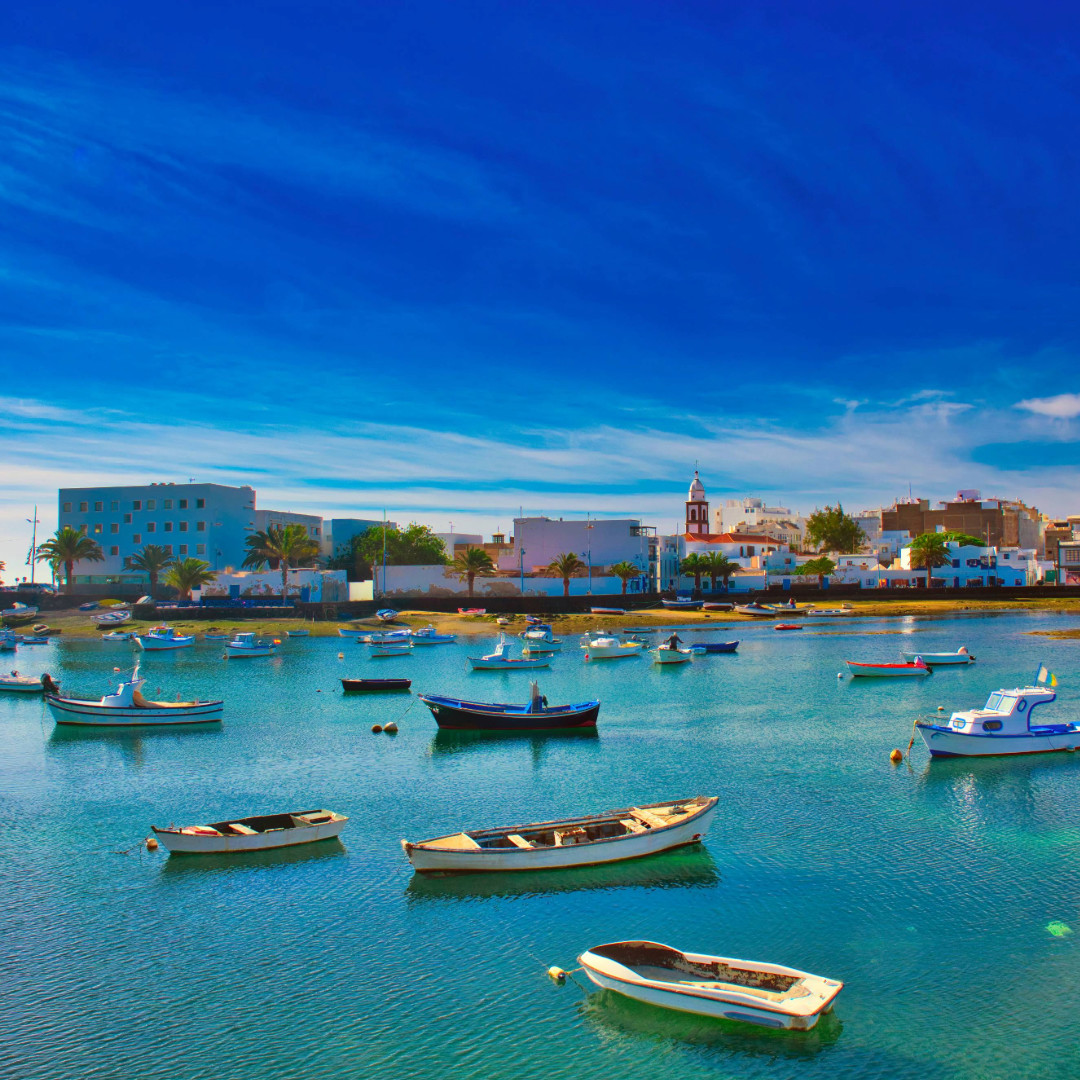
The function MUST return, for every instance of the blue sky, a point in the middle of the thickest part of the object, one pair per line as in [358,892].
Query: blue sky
[453,259]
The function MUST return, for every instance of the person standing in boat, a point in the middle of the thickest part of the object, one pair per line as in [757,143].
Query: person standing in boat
[674,641]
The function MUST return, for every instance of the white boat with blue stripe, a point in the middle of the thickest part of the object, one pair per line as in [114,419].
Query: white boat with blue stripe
[1004,725]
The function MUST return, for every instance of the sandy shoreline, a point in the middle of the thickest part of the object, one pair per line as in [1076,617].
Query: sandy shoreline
[75,624]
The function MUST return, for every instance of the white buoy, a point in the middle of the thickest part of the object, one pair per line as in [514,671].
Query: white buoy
[839,674]
[151,844]
[391,728]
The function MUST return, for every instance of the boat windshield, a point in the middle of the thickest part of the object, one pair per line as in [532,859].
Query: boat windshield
[993,702]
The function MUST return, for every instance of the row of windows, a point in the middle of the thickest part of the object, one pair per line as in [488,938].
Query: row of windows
[150,526]
[200,549]
[137,504]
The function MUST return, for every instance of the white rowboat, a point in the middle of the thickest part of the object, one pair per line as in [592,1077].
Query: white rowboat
[887,671]
[582,841]
[21,684]
[768,995]
[499,661]
[611,648]
[667,655]
[252,833]
[940,659]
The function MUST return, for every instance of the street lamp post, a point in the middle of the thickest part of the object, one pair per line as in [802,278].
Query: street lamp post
[588,537]
[521,569]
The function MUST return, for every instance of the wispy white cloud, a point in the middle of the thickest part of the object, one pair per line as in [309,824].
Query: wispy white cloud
[1060,406]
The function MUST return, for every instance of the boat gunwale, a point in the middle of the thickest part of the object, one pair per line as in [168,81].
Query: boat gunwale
[499,709]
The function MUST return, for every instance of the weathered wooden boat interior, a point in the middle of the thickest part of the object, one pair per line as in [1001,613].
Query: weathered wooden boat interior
[251,826]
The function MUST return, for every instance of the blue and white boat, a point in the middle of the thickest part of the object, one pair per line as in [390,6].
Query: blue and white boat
[1002,726]
[540,638]
[248,645]
[386,614]
[164,637]
[428,635]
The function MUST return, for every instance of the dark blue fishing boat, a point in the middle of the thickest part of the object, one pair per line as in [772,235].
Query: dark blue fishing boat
[714,646]
[375,685]
[535,715]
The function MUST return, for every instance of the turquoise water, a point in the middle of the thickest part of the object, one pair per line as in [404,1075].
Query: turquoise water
[927,888]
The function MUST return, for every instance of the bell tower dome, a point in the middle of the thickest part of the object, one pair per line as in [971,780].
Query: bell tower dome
[697,508]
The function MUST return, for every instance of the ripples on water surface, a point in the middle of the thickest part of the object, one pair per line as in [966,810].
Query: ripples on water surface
[928,889]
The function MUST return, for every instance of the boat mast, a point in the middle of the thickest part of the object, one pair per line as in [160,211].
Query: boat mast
[31,558]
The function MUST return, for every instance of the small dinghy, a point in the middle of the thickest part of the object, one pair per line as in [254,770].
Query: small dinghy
[18,614]
[208,637]
[500,661]
[472,611]
[128,708]
[541,636]
[671,653]
[386,614]
[399,647]
[297,633]
[789,626]
[25,639]
[535,715]
[758,611]
[715,605]
[581,841]
[14,683]
[714,646]
[90,605]
[1002,726]
[829,613]
[252,833]
[607,611]
[888,671]
[8,641]
[682,604]
[248,645]
[941,659]
[353,631]
[44,629]
[119,635]
[375,685]
[111,618]
[164,637]
[765,994]
[610,648]
[428,635]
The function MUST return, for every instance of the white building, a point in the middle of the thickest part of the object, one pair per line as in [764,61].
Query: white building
[278,519]
[752,515]
[204,521]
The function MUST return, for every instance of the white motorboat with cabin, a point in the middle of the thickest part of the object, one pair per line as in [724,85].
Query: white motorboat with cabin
[942,659]
[581,841]
[768,995]
[605,647]
[500,660]
[164,637]
[128,708]
[400,646]
[252,833]
[540,637]
[248,645]
[1002,726]
[428,635]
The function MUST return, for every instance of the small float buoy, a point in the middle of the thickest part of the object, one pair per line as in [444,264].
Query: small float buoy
[896,757]
[376,728]
[839,674]
[391,728]
[941,708]
[318,691]
[151,844]
[341,656]
[557,975]
[586,660]
[116,669]
[277,641]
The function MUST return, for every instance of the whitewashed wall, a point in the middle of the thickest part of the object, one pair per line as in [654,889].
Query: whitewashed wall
[442,581]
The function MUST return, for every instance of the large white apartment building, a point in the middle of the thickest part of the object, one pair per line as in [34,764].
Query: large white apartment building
[204,521]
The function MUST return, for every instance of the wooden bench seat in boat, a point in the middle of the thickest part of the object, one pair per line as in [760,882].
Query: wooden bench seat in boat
[631,825]
[647,816]
[243,830]
[518,841]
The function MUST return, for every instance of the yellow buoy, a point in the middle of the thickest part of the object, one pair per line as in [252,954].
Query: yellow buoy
[376,728]
[391,728]
[151,844]
[557,975]
[341,656]
[941,708]
[896,757]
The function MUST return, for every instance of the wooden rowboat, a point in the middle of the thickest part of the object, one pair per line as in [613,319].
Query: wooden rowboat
[939,659]
[582,841]
[375,685]
[535,715]
[252,833]
[765,994]
[128,708]
[714,646]
[887,671]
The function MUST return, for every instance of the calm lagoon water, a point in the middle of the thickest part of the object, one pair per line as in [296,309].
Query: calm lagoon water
[927,888]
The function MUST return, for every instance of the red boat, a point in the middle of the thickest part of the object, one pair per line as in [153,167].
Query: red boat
[472,611]
[788,626]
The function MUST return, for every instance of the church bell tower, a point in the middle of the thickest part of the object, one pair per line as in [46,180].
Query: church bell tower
[697,509]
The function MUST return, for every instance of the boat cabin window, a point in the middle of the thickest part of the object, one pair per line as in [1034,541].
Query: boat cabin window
[991,725]
[993,703]
[1021,705]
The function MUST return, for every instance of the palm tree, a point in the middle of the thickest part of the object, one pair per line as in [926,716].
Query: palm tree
[718,565]
[287,546]
[67,547]
[152,560]
[930,550]
[696,565]
[565,566]
[470,562]
[624,571]
[187,574]
[820,567]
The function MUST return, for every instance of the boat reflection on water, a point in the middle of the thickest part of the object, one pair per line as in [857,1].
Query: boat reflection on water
[687,867]
[130,740]
[604,1010]
[252,861]
[461,742]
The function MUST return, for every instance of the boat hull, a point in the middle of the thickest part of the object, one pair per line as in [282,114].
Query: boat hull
[475,716]
[681,605]
[612,652]
[886,671]
[196,844]
[596,853]
[87,713]
[235,652]
[164,644]
[34,687]
[672,656]
[375,685]
[944,743]
[479,664]
[940,659]
[715,646]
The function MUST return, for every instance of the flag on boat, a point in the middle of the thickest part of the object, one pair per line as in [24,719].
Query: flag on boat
[1045,675]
